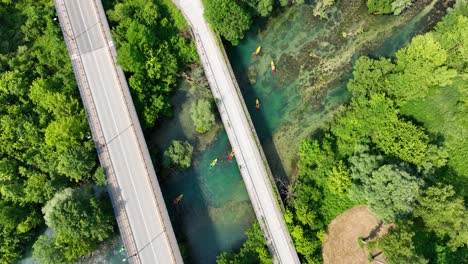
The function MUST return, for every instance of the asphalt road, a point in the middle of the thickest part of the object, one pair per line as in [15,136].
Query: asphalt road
[242,135]
[135,193]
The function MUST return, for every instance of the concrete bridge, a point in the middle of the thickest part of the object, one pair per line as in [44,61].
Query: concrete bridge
[249,154]
[135,193]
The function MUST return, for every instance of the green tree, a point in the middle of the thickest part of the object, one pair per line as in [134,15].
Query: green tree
[391,192]
[339,181]
[202,115]
[100,177]
[452,36]
[228,18]
[321,7]
[444,213]
[46,252]
[16,223]
[420,66]
[253,250]
[290,2]
[398,246]
[399,5]
[379,6]
[179,153]
[261,7]
[78,238]
[152,51]
[370,76]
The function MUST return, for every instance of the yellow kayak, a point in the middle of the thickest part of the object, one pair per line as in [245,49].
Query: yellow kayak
[257,51]
[178,199]
[213,163]
[273,68]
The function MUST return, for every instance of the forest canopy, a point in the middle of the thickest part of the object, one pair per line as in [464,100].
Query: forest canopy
[152,51]
[48,161]
[46,145]
[391,150]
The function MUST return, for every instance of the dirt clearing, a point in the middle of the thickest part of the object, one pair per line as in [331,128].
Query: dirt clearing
[341,243]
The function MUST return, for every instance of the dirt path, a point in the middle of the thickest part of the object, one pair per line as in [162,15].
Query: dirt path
[341,244]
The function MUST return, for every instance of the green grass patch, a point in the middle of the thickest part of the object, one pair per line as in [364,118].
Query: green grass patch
[446,117]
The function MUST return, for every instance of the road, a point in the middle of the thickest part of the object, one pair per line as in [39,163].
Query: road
[249,154]
[136,197]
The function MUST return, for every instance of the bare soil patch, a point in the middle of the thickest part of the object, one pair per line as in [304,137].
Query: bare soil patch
[341,242]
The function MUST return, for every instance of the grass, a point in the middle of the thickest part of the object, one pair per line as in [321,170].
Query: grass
[446,118]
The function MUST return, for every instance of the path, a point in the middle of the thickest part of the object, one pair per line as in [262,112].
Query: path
[249,154]
[136,197]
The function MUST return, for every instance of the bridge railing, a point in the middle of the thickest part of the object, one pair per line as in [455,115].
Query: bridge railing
[136,128]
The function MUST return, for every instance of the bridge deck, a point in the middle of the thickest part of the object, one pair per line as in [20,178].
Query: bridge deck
[136,197]
[249,154]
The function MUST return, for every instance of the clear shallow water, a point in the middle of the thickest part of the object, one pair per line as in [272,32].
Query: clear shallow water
[314,60]
[215,210]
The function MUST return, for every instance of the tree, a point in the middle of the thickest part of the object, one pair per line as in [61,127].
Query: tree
[46,252]
[228,18]
[399,5]
[450,32]
[202,115]
[78,238]
[391,192]
[253,250]
[179,153]
[100,177]
[261,7]
[370,76]
[152,51]
[379,6]
[398,246]
[420,66]
[444,213]
[339,181]
[16,223]
[321,6]
[290,2]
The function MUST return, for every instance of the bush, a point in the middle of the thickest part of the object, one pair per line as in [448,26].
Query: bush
[202,115]
[79,220]
[179,153]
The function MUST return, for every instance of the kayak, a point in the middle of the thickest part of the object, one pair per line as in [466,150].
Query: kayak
[178,199]
[257,51]
[257,104]
[273,68]
[213,163]
[231,155]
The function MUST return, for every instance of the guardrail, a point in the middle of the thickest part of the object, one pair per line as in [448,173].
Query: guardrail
[98,134]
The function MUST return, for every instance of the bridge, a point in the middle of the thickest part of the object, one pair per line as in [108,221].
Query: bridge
[242,135]
[135,193]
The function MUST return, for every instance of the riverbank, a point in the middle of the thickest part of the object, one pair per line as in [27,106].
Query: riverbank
[314,59]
